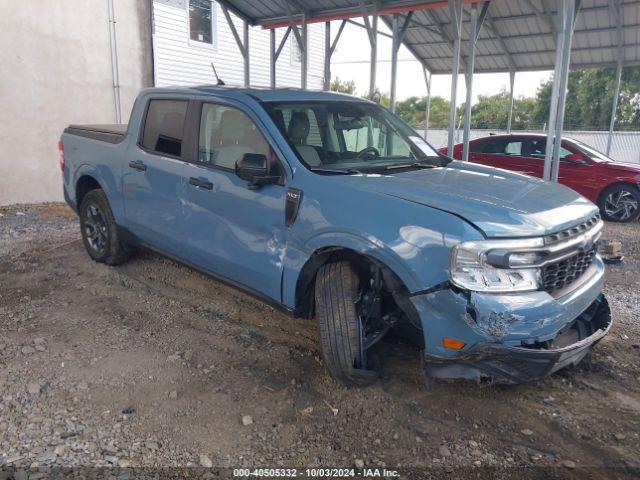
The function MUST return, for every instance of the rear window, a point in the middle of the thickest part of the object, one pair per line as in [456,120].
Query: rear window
[164,126]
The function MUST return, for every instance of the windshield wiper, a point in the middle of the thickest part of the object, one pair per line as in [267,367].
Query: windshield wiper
[336,171]
[409,165]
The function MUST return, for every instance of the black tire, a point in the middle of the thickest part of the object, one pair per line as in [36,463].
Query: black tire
[336,292]
[620,203]
[99,230]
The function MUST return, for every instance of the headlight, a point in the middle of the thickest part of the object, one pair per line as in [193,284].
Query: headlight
[497,265]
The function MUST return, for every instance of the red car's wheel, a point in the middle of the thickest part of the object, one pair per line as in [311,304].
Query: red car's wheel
[620,203]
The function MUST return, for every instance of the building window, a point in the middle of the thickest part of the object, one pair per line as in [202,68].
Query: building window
[202,21]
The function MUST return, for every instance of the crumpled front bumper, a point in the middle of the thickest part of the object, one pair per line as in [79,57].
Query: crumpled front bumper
[510,364]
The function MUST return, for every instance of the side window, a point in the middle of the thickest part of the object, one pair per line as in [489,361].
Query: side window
[513,148]
[226,134]
[538,149]
[164,126]
[494,146]
[476,147]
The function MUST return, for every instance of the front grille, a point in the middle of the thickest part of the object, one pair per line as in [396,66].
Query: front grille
[574,231]
[556,276]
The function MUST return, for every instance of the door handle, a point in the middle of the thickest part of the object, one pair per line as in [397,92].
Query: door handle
[200,184]
[138,165]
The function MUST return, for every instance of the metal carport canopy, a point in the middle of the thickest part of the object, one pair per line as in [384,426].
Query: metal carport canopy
[518,34]
[499,35]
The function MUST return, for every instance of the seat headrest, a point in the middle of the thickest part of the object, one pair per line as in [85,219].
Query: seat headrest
[234,127]
[298,128]
[172,124]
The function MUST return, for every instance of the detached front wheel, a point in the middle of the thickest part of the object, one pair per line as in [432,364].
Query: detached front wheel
[344,333]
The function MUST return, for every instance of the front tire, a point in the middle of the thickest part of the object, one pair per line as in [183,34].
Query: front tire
[336,295]
[99,230]
[620,203]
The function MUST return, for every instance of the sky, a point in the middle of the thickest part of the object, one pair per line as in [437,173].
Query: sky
[350,63]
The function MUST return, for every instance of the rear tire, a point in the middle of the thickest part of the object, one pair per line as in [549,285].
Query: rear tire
[620,203]
[99,230]
[336,294]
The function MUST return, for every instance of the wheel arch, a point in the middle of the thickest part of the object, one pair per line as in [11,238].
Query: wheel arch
[86,182]
[304,291]
[617,183]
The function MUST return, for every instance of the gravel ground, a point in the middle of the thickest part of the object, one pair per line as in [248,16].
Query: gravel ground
[150,364]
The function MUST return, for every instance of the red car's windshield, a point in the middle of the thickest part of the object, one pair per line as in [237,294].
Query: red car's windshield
[591,152]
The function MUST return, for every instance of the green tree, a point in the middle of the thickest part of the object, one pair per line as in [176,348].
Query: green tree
[412,111]
[590,98]
[343,86]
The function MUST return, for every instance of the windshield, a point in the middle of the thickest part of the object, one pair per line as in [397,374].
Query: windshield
[350,137]
[591,152]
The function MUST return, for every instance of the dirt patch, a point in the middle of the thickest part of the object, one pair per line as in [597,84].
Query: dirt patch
[189,360]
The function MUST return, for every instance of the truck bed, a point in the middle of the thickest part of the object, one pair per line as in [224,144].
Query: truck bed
[111,133]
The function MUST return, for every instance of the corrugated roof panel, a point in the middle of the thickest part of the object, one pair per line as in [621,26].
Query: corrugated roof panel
[524,25]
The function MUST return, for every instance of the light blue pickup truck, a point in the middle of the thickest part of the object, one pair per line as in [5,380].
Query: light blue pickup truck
[330,207]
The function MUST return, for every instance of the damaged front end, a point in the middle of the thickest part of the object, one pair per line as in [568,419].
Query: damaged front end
[516,364]
[516,310]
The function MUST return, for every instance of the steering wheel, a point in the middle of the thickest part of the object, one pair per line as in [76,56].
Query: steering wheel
[368,152]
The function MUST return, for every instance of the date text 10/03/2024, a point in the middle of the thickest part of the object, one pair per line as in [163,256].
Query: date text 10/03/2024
[316,472]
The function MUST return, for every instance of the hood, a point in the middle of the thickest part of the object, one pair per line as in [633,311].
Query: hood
[498,202]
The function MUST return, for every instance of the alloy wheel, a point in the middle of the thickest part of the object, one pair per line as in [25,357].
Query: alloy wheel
[620,205]
[95,228]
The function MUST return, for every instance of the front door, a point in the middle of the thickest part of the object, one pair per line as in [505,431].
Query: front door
[233,231]
[152,177]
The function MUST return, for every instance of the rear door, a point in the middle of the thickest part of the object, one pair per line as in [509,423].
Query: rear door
[153,175]
[232,230]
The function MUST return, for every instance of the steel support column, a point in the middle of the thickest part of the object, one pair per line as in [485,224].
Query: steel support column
[275,53]
[304,60]
[620,55]
[243,44]
[476,25]
[397,37]
[247,77]
[567,11]
[372,31]
[614,107]
[326,84]
[512,79]
[329,48]
[395,46]
[455,9]
[427,110]
[272,58]
[301,37]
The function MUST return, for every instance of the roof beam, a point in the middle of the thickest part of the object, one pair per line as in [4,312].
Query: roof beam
[498,37]
[443,32]
[543,14]
[524,16]
[237,12]
[542,52]
[534,35]
[425,63]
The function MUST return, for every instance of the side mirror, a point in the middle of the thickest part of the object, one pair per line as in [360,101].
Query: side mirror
[256,169]
[574,158]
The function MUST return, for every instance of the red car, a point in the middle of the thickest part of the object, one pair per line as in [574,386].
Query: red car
[613,186]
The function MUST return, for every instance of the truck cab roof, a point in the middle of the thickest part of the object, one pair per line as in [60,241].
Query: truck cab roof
[261,94]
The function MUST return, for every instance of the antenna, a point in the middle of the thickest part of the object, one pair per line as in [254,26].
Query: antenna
[218,81]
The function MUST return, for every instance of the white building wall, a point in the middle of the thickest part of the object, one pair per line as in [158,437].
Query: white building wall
[180,61]
[56,70]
